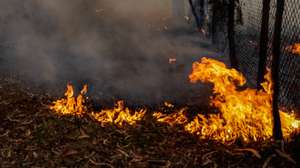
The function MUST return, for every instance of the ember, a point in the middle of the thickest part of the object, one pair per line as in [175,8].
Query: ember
[172,60]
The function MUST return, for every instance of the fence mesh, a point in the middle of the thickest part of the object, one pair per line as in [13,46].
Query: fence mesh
[248,20]
[290,63]
[247,46]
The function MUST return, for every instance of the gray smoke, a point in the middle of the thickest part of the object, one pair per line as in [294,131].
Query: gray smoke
[119,47]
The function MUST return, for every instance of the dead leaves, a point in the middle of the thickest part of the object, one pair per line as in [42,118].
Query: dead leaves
[7,152]
[35,155]
[285,155]
[20,119]
[280,154]
[207,158]
[266,162]
[69,152]
[122,152]
[253,151]
[64,151]
[5,134]
[100,164]
[82,135]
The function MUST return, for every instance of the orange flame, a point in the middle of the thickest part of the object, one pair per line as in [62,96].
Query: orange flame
[245,114]
[71,105]
[75,106]
[172,119]
[119,115]
[295,48]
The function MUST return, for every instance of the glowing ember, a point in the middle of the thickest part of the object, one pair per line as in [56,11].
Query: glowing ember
[71,105]
[172,60]
[244,114]
[119,115]
[295,48]
[169,105]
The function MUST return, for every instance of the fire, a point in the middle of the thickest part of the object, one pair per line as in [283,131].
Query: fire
[119,115]
[71,105]
[295,48]
[244,114]
[172,119]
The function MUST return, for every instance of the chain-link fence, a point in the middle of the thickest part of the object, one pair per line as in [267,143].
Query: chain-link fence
[248,40]
[290,63]
[249,19]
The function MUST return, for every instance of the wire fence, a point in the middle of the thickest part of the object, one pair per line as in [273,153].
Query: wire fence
[247,39]
[248,35]
[290,62]
[247,28]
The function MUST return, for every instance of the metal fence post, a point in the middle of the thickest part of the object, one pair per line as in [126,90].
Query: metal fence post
[277,132]
[213,24]
[231,34]
[264,39]
[193,9]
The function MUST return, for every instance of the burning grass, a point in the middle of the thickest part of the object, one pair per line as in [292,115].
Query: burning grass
[245,114]
[119,115]
[71,105]
[32,136]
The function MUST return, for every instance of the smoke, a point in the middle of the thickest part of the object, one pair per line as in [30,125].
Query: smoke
[120,48]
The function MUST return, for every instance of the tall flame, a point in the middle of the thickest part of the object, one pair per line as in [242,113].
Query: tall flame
[71,105]
[244,114]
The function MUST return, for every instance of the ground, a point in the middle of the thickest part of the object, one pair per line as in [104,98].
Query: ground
[31,135]
[118,57]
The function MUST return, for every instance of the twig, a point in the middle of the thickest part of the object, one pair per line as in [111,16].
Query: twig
[253,151]
[285,155]
[268,160]
[6,133]
[100,164]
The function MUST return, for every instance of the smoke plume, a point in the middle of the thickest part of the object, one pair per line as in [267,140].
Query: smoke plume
[120,48]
